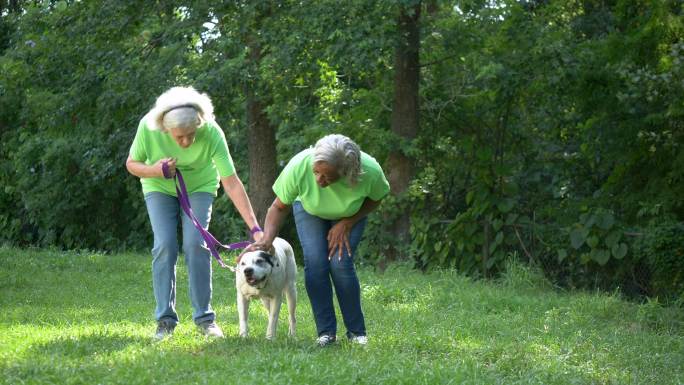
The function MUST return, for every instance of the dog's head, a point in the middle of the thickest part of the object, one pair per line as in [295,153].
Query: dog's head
[255,267]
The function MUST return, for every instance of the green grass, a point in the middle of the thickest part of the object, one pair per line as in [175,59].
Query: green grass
[85,318]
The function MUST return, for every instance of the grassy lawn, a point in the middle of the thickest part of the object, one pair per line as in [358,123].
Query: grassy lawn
[85,318]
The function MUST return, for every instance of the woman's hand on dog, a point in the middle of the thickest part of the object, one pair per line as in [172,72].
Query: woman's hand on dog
[261,243]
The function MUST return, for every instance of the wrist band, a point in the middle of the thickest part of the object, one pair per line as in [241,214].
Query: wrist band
[165,170]
[255,229]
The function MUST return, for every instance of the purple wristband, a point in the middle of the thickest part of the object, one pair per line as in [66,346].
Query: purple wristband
[255,229]
[165,170]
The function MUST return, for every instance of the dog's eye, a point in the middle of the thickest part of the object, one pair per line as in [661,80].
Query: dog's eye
[259,261]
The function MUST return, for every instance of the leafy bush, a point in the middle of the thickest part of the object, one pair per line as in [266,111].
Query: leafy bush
[662,250]
[597,237]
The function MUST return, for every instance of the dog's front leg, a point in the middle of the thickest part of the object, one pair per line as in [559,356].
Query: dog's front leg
[273,313]
[243,313]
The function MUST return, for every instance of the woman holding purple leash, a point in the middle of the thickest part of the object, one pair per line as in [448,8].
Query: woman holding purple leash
[180,133]
[331,188]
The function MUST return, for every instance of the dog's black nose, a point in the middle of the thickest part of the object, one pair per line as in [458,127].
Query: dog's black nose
[249,271]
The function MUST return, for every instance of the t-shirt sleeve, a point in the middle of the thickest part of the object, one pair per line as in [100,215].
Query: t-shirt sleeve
[380,186]
[137,151]
[286,186]
[221,156]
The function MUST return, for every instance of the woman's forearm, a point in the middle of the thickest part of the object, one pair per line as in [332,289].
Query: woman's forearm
[142,170]
[236,193]
[274,218]
[367,206]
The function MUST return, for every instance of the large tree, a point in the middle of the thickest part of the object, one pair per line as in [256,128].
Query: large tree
[260,132]
[405,114]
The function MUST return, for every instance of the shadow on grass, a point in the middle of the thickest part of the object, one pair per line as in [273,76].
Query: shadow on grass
[99,345]
[83,346]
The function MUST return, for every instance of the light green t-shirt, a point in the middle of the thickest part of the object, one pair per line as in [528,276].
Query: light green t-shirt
[338,200]
[202,164]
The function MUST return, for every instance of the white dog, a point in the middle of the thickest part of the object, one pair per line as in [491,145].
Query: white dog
[269,277]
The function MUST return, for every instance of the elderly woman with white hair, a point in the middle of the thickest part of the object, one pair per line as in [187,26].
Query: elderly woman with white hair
[331,188]
[180,132]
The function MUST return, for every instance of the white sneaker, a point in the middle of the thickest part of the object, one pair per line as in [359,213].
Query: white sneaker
[210,329]
[359,340]
[325,340]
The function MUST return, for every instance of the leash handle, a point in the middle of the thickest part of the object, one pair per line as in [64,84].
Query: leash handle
[165,170]
[210,240]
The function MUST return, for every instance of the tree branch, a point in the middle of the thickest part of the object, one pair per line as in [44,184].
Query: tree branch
[517,234]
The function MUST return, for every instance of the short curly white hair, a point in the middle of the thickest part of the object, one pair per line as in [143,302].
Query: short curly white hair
[180,107]
[342,153]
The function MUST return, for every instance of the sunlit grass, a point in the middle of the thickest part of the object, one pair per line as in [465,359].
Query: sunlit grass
[76,318]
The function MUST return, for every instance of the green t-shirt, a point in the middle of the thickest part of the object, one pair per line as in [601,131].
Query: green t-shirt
[202,164]
[338,200]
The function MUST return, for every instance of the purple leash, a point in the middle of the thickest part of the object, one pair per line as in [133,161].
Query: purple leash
[184,200]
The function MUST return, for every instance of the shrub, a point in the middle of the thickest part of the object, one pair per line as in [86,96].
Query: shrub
[661,248]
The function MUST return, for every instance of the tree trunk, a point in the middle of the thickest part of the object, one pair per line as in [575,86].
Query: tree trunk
[399,166]
[486,247]
[261,143]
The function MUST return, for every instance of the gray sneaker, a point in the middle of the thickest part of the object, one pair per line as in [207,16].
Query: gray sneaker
[164,329]
[210,329]
[325,340]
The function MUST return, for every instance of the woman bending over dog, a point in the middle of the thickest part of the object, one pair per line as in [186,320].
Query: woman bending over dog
[331,189]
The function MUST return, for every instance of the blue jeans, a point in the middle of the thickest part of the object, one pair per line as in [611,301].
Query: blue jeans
[319,271]
[164,212]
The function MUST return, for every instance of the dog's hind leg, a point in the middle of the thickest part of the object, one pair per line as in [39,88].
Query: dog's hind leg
[291,296]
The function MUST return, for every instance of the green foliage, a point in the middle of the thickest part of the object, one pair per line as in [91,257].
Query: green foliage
[529,123]
[548,129]
[661,248]
[77,100]
[596,238]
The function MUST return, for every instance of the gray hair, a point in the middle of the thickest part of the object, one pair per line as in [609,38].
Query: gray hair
[181,107]
[185,117]
[341,153]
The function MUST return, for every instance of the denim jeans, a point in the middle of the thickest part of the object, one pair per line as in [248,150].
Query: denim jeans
[319,272]
[164,212]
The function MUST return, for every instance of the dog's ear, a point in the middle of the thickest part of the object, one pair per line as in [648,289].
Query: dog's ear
[268,257]
[271,252]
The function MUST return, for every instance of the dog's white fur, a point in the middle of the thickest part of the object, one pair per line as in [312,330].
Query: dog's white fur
[255,277]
